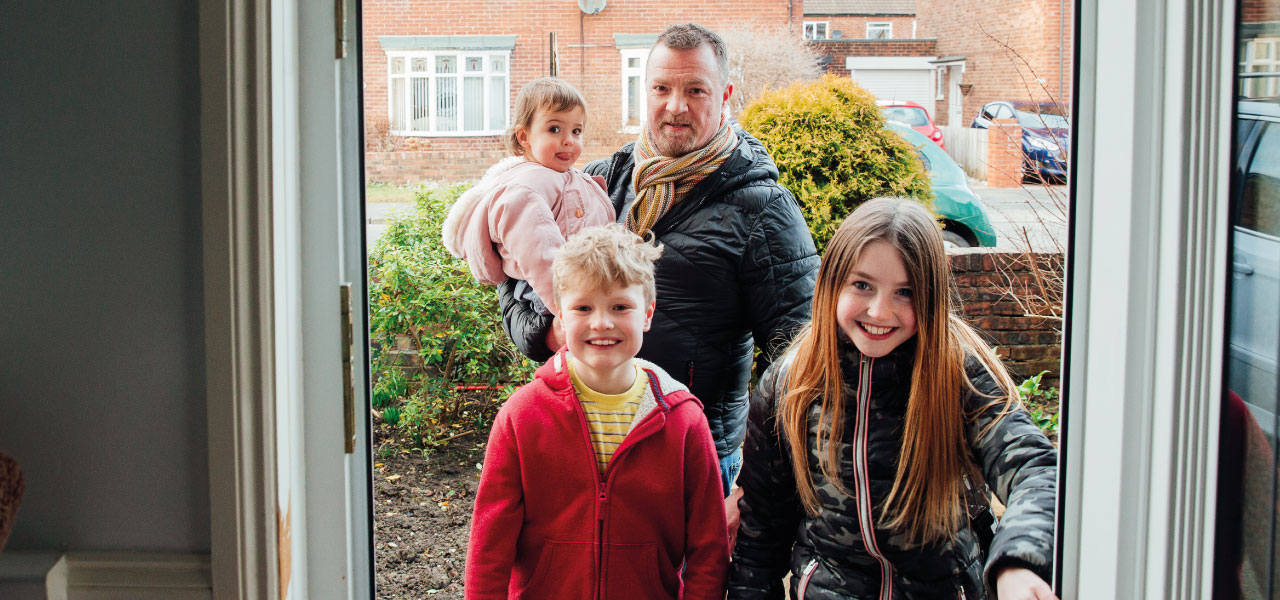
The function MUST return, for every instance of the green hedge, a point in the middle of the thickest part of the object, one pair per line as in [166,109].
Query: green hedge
[441,360]
[833,151]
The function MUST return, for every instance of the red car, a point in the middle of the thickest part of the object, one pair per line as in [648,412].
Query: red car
[912,115]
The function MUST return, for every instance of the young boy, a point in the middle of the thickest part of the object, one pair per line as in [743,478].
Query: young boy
[600,479]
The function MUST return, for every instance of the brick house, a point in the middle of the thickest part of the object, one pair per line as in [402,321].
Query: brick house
[876,43]
[997,50]
[440,76]
[1259,49]
[859,19]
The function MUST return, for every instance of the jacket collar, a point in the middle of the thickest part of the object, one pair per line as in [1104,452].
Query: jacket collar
[663,391]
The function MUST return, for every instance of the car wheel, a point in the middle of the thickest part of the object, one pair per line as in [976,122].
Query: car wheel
[954,239]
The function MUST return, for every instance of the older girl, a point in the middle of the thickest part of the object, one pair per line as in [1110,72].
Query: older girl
[871,439]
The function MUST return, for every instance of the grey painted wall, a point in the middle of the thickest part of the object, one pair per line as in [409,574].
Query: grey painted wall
[101,340]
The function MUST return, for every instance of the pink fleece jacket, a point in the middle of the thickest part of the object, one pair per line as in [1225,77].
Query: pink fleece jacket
[511,223]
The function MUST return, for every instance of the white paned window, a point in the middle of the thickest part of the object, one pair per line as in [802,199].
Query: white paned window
[816,30]
[1260,55]
[879,31]
[633,91]
[448,93]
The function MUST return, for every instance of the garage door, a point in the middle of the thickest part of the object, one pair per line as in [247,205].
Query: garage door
[889,84]
[896,78]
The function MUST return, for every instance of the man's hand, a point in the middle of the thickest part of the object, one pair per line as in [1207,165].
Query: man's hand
[1017,583]
[732,516]
[555,336]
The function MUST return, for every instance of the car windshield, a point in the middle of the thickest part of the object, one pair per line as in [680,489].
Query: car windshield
[1044,120]
[907,115]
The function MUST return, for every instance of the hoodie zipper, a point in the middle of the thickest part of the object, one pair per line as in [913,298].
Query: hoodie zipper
[866,517]
[602,481]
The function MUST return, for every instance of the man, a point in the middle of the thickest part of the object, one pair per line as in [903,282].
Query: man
[739,265]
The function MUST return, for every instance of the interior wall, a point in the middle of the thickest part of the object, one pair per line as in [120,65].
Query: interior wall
[101,341]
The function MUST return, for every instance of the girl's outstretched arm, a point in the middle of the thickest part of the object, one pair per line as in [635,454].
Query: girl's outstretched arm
[1017,583]
[1021,467]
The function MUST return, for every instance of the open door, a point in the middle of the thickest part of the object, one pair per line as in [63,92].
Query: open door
[323,449]
[281,164]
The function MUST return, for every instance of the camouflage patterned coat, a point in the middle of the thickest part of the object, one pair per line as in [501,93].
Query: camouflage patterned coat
[843,553]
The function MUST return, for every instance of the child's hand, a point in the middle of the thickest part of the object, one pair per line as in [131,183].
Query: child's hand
[732,516]
[1017,583]
[555,336]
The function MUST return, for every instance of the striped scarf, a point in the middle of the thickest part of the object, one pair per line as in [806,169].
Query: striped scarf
[662,181]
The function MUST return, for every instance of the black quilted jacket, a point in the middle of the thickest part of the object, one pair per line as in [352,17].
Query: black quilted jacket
[832,555]
[737,270]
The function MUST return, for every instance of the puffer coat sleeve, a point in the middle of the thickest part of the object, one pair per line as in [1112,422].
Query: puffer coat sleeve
[526,327]
[770,508]
[1021,466]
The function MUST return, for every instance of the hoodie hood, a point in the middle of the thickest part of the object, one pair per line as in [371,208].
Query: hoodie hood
[463,209]
[663,392]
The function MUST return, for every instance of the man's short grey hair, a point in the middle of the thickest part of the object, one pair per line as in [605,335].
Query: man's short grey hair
[687,36]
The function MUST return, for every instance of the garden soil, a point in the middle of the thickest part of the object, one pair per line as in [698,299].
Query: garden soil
[422,519]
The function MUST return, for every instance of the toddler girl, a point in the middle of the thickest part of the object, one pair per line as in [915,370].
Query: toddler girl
[870,441]
[511,223]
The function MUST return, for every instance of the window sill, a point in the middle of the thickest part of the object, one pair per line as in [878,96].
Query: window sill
[448,134]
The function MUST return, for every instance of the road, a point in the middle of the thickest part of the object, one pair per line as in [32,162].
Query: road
[1037,212]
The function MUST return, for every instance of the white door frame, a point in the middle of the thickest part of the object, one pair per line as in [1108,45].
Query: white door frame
[280,142]
[1146,287]
[1146,298]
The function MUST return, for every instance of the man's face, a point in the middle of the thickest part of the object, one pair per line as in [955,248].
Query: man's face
[686,98]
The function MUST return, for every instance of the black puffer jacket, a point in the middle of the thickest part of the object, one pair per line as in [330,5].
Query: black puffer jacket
[830,555]
[738,269]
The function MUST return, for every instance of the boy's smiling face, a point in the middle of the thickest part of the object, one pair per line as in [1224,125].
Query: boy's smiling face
[604,329]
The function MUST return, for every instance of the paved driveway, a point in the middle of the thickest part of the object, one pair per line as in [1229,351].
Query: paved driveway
[1034,213]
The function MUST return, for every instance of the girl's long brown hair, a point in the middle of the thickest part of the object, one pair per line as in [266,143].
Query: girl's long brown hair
[926,500]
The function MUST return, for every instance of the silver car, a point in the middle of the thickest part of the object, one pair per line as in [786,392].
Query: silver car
[1254,337]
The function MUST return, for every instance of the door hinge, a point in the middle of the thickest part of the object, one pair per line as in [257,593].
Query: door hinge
[348,373]
[340,28]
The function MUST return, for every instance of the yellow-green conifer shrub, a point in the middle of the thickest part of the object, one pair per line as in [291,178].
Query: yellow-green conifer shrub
[833,151]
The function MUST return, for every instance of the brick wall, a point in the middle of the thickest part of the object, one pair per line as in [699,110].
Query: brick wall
[1035,64]
[1257,11]
[983,279]
[587,57]
[855,26]
[838,50]
[1004,154]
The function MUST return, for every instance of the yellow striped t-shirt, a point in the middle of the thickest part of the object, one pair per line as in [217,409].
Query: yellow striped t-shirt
[609,416]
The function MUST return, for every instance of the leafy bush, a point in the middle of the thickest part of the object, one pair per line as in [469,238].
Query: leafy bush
[1042,403]
[441,359]
[833,151]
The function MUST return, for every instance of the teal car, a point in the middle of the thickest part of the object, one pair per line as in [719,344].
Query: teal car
[964,218]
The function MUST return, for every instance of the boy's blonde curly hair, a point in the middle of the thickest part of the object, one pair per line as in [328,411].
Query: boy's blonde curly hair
[608,255]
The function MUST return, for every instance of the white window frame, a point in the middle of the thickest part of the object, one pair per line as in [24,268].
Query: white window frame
[811,30]
[886,26]
[487,74]
[1253,61]
[627,54]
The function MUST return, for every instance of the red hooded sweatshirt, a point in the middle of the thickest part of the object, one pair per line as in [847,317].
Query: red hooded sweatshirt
[547,524]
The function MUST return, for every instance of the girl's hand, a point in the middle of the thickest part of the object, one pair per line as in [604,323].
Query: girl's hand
[1017,583]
